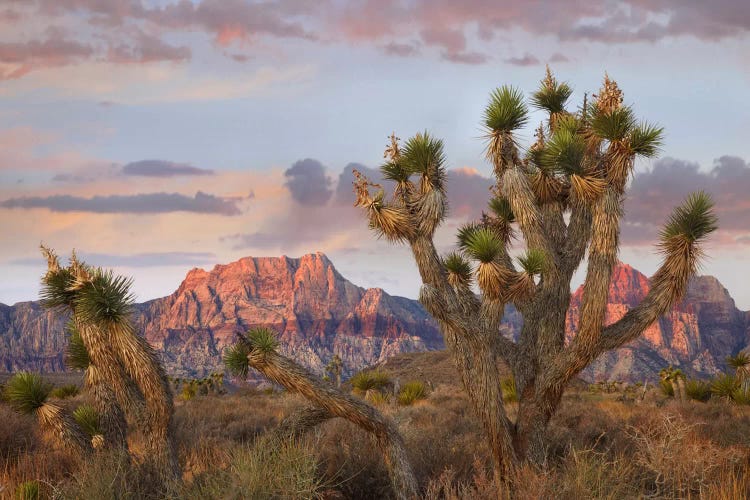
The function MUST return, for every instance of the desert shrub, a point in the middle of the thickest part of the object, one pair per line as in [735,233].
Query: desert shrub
[666,388]
[365,380]
[16,433]
[27,391]
[268,469]
[698,390]
[87,418]
[592,474]
[65,391]
[28,490]
[377,397]
[741,396]
[189,391]
[411,392]
[508,385]
[677,459]
[724,386]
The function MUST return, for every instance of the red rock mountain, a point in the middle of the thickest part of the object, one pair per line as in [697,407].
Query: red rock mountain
[318,313]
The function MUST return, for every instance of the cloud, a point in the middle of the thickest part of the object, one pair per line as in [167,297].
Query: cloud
[525,60]
[146,48]
[401,49]
[162,168]
[654,193]
[308,183]
[19,58]
[465,57]
[151,203]
[148,259]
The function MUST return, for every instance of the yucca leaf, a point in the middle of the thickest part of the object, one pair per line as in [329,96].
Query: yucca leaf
[501,209]
[394,172]
[423,154]
[464,232]
[456,264]
[106,298]
[506,110]
[483,245]
[693,220]
[235,359]
[646,140]
[76,354]
[56,289]
[565,152]
[552,97]
[263,339]
[740,360]
[534,261]
[87,418]
[27,391]
[614,125]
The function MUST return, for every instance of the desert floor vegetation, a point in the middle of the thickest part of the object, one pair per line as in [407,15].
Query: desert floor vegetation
[603,444]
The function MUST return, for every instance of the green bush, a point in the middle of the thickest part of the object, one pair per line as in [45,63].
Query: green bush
[411,392]
[508,386]
[741,396]
[87,418]
[28,490]
[666,388]
[698,390]
[364,381]
[724,386]
[27,391]
[65,391]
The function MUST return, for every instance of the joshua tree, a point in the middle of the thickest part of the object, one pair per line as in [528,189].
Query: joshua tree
[259,350]
[676,379]
[741,364]
[334,368]
[29,393]
[121,364]
[564,195]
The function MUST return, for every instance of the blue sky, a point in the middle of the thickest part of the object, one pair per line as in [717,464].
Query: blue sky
[245,90]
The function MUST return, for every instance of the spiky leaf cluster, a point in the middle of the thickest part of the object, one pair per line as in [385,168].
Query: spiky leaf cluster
[263,340]
[501,209]
[506,111]
[564,152]
[614,125]
[57,289]
[76,354]
[551,96]
[87,418]
[423,154]
[235,359]
[105,299]
[458,266]
[533,262]
[690,222]
[483,245]
[739,361]
[27,391]
[646,140]
[394,172]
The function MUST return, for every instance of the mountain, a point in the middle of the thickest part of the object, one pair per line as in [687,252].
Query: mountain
[697,335]
[317,313]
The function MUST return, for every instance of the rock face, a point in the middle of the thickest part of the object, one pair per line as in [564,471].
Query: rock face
[696,336]
[318,313]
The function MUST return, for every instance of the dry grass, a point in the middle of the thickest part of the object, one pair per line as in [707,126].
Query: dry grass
[601,446]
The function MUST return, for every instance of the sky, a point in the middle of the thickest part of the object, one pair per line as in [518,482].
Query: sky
[157,136]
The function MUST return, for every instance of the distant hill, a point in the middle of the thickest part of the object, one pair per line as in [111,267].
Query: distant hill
[318,313]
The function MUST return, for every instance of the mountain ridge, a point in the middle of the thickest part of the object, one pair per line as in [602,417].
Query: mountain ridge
[319,313]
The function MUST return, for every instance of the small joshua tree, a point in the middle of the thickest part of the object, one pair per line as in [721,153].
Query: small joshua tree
[122,370]
[741,364]
[676,379]
[334,368]
[259,350]
[563,196]
[29,393]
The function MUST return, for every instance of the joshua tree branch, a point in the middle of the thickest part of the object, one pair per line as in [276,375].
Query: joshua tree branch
[295,378]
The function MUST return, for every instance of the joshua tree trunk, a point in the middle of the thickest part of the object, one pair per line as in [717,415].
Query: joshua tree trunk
[330,402]
[63,429]
[565,199]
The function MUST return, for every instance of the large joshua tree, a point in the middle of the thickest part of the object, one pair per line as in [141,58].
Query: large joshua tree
[564,195]
[123,372]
